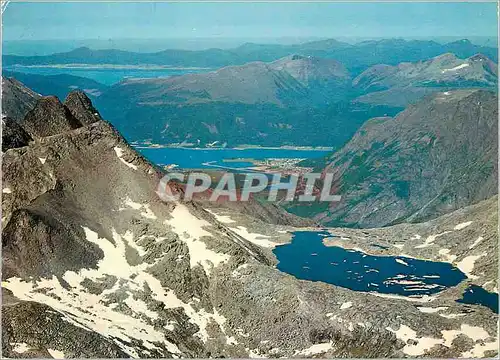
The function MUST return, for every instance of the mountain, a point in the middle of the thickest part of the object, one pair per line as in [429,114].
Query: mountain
[436,156]
[58,85]
[96,265]
[84,55]
[49,117]
[408,82]
[252,83]
[356,57]
[80,106]
[295,100]
[17,99]
[395,51]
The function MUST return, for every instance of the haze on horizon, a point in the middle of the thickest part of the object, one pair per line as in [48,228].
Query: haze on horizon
[155,26]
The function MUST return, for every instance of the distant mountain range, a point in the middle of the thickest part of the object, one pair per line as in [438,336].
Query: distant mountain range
[295,100]
[282,82]
[355,57]
[407,82]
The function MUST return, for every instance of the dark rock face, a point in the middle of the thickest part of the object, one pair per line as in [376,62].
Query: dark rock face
[81,107]
[13,135]
[17,99]
[49,117]
[436,156]
[37,244]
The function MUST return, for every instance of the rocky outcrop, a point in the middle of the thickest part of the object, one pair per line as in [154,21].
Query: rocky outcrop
[81,108]
[436,156]
[49,117]
[13,135]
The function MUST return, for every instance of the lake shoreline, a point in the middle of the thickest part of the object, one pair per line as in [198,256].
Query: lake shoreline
[242,147]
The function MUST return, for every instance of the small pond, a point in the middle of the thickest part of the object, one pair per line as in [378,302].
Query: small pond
[477,295]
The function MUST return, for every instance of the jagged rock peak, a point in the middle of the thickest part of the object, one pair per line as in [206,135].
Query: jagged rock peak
[13,135]
[49,117]
[17,99]
[81,107]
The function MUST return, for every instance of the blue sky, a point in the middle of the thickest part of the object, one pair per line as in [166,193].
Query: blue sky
[47,21]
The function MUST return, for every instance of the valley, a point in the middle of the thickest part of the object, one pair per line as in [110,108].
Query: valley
[104,255]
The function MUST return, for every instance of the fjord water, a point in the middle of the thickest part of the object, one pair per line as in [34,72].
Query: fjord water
[186,158]
[105,75]
[307,258]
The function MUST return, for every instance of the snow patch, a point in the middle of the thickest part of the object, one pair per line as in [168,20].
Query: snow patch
[462,225]
[257,239]
[451,316]
[224,219]
[456,68]
[146,210]
[315,349]
[42,160]
[431,310]
[423,344]
[402,262]
[90,310]
[6,190]
[119,153]
[421,299]
[56,354]
[466,265]
[430,240]
[20,348]
[190,229]
[346,305]
[478,240]
[476,333]
[480,349]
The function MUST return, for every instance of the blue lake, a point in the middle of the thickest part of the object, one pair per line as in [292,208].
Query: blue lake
[307,258]
[107,76]
[477,295]
[186,158]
